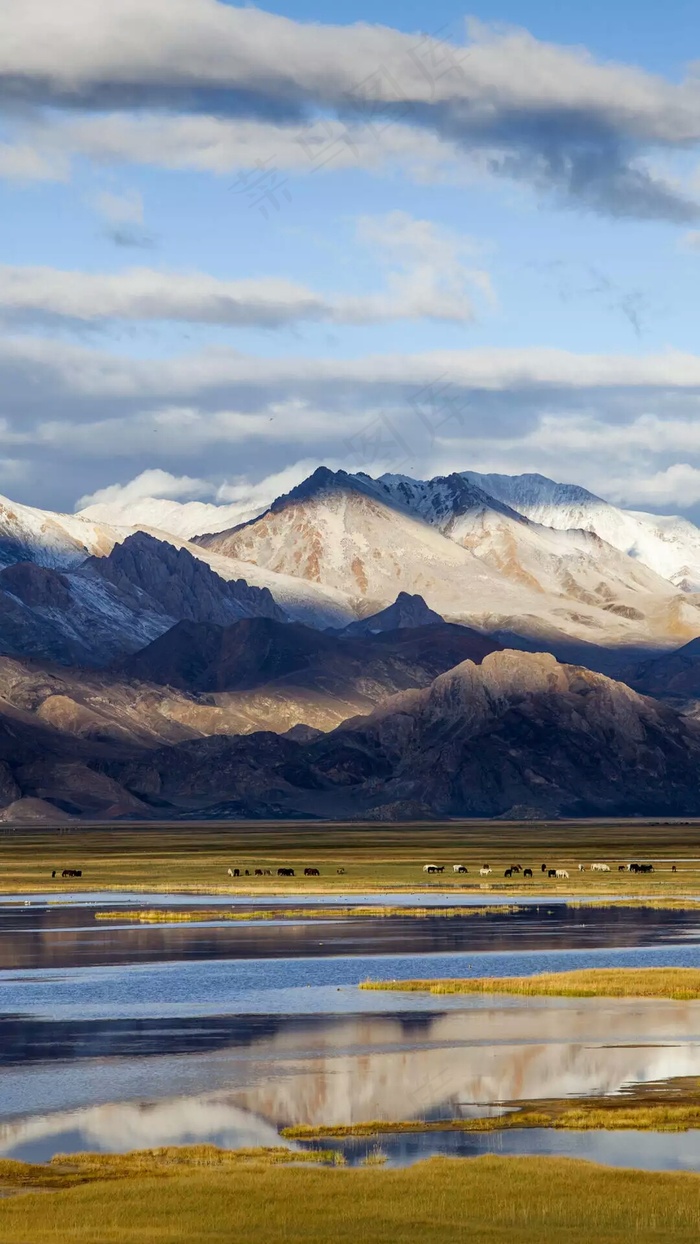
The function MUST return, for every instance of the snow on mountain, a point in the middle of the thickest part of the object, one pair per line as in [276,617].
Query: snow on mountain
[58,541]
[667,544]
[179,518]
[471,558]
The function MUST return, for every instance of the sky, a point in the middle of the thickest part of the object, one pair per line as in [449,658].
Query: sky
[237,242]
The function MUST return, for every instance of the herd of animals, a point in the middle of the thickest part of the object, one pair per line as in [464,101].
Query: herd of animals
[559,873]
[484,871]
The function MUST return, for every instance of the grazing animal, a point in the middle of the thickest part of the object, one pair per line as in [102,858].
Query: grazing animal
[621,868]
[673,868]
[561,873]
[285,872]
[53,873]
[551,872]
[267,872]
[433,868]
[485,871]
[258,872]
[544,868]
[508,872]
[527,872]
[459,868]
[72,872]
[340,872]
[633,868]
[645,868]
[311,872]
[600,868]
[234,872]
[581,868]
[515,868]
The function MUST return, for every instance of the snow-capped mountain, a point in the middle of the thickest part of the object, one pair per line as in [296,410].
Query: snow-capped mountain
[668,544]
[54,540]
[179,518]
[472,558]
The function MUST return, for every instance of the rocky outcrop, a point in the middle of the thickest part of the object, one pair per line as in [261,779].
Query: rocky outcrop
[36,585]
[153,573]
[675,676]
[407,611]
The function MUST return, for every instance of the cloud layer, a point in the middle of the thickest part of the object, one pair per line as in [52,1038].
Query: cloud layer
[428,275]
[550,116]
[74,415]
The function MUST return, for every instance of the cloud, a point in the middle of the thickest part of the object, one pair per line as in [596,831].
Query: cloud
[676,486]
[220,415]
[150,483]
[547,115]
[123,214]
[425,270]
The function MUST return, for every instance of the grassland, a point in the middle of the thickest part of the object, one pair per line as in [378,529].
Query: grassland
[652,904]
[681,984]
[488,1200]
[673,1106]
[375,858]
[367,911]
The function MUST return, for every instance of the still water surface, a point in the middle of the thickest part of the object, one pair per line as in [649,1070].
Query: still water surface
[114,1036]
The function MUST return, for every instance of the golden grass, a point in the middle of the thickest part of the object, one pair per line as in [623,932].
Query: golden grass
[597,1114]
[486,1200]
[161,916]
[682,984]
[658,904]
[194,858]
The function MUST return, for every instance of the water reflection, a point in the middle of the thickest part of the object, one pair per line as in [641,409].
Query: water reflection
[49,936]
[328,1070]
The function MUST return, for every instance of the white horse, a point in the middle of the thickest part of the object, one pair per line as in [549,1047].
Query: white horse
[562,873]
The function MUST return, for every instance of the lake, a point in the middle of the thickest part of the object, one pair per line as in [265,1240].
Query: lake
[116,1036]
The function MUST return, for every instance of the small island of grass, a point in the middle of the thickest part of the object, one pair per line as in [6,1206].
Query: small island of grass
[158,915]
[681,984]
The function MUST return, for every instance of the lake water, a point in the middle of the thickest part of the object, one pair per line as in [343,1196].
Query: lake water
[117,1036]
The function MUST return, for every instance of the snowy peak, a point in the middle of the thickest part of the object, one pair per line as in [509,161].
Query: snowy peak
[184,519]
[667,544]
[56,541]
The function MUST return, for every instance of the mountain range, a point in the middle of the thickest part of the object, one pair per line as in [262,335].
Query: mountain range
[469,645]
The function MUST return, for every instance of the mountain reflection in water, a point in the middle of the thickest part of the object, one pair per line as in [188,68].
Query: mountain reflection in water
[341,1069]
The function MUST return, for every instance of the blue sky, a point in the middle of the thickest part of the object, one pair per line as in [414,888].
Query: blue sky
[236,243]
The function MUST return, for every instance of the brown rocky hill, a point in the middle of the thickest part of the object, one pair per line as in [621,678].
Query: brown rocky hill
[518,735]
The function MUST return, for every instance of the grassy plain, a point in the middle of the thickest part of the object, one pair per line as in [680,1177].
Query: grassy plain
[681,984]
[375,858]
[488,1200]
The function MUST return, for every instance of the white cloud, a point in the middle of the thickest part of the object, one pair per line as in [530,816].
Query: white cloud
[677,486]
[26,161]
[150,483]
[222,417]
[548,115]
[426,277]
[120,209]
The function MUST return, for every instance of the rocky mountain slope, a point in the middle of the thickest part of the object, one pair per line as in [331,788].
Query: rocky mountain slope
[197,681]
[519,735]
[406,611]
[674,676]
[116,603]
